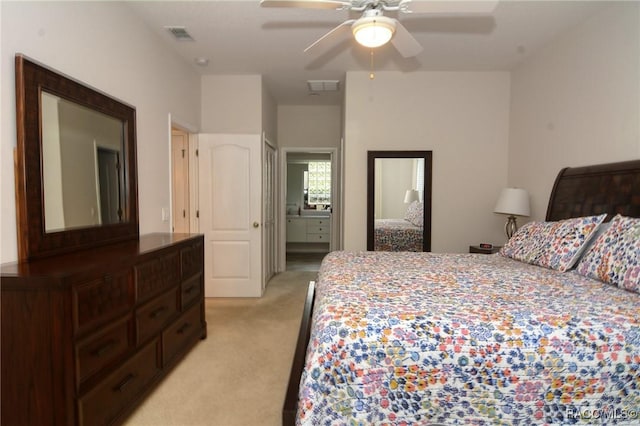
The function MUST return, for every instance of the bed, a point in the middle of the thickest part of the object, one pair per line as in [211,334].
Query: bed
[422,338]
[397,235]
[405,234]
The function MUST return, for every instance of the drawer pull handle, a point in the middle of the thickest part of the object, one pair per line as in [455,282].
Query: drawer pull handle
[155,314]
[184,328]
[125,382]
[105,348]
[190,289]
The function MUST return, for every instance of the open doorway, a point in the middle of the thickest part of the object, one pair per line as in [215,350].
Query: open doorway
[180,182]
[310,206]
[109,194]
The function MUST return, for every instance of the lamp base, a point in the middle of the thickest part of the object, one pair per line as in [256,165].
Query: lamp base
[511,226]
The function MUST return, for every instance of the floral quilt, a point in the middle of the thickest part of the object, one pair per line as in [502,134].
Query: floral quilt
[422,338]
[397,235]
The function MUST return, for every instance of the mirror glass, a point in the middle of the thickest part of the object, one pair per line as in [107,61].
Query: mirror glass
[399,212]
[82,150]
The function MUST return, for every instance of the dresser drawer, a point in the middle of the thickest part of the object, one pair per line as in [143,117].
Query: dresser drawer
[317,222]
[318,229]
[296,230]
[315,238]
[190,290]
[154,315]
[100,299]
[101,349]
[178,336]
[104,403]
[191,260]
[156,275]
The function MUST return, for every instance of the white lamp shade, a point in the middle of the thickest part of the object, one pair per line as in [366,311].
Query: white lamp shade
[513,201]
[410,196]
[373,31]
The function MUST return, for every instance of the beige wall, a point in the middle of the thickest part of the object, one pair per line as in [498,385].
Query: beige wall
[238,104]
[309,126]
[393,177]
[232,104]
[269,116]
[463,117]
[577,102]
[142,73]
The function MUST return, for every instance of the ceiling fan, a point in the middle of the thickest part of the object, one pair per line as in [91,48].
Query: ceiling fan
[373,29]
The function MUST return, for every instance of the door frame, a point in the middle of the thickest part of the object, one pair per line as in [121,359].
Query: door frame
[276,211]
[105,148]
[194,205]
[336,199]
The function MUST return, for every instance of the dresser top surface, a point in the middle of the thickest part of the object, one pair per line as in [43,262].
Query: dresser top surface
[83,260]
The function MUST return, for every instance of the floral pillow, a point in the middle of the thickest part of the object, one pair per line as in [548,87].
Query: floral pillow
[615,256]
[415,213]
[555,245]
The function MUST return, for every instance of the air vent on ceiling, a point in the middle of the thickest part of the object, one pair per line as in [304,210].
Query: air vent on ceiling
[323,85]
[180,33]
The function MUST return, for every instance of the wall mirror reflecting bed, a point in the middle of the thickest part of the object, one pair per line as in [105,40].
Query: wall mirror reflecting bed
[399,201]
[76,156]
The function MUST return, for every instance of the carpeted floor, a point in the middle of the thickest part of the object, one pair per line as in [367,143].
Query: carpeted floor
[239,374]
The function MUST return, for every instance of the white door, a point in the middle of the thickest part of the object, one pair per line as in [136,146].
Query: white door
[230,214]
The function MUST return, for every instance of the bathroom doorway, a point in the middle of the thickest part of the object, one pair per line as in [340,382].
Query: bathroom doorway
[311,206]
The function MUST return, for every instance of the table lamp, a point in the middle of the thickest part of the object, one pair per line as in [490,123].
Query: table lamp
[512,202]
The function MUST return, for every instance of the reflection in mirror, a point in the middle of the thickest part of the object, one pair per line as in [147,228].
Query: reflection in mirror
[82,150]
[399,218]
[398,205]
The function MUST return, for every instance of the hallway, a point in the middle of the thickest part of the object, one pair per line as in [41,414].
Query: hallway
[304,261]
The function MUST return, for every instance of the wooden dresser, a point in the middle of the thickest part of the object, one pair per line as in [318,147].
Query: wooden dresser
[86,335]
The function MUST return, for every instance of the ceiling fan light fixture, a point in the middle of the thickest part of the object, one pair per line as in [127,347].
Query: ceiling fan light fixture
[373,31]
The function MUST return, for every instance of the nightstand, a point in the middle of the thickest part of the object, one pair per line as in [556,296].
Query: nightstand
[478,249]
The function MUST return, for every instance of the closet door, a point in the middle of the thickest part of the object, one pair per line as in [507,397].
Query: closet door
[230,186]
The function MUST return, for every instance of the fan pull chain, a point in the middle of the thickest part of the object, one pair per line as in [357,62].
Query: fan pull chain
[372,74]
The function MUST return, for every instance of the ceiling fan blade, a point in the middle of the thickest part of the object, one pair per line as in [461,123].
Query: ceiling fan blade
[406,44]
[449,7]
[307,4]
[340,29]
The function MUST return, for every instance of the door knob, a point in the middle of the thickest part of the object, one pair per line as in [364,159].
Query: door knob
[256,224]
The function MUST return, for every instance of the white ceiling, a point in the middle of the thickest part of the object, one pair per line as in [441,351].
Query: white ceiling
[240,37]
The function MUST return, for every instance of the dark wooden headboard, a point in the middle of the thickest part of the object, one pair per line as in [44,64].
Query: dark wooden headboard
[604,188]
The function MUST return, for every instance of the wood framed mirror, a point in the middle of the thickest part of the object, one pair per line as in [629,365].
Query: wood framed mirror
[76,184]
[399,200]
